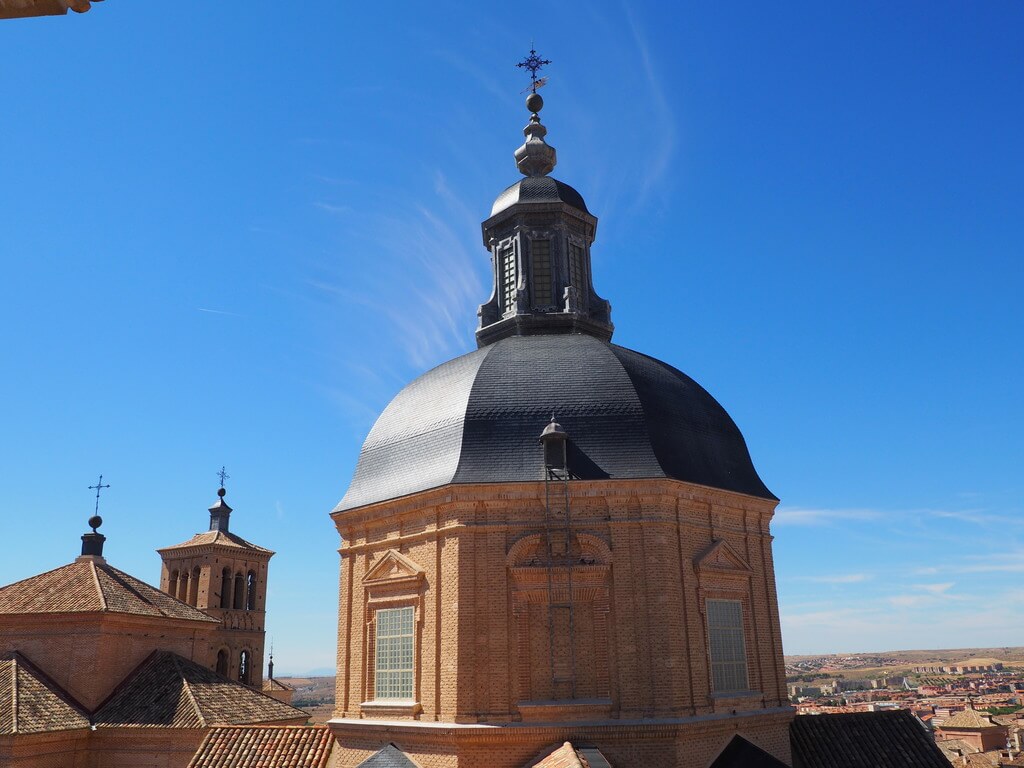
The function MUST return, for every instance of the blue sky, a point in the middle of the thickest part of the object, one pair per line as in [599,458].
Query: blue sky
[229,235]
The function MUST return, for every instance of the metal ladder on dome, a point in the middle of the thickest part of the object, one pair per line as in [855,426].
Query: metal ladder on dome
[558,537]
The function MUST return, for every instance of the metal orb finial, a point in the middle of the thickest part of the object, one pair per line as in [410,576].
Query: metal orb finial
[95,522]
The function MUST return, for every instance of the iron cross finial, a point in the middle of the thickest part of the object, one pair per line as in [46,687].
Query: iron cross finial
[223,475]
[98,487]
[533,64]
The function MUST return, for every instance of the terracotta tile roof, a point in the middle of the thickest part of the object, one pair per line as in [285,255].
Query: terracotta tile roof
[969,719]
[169,691]
[887,739]
[269,746]
[740,753]
[389,757]
[984,759]
[32,703]
[955,747]
[563,757]
[272,684]
[218,538]
[87,587]
[568,756]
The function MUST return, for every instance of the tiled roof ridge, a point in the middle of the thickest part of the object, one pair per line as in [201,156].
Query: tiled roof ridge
[968,718]
[125,580]
[20,662]
[14,696]
[99,587]
[565,756]
[260,693]
[124,682]
[188,688]
[215,541]
[119,576]
[37,575]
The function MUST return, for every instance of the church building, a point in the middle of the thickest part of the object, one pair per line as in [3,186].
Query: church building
[98,669]
[556,551]
[555,538]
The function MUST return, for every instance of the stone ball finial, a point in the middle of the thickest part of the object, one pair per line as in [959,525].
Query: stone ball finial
[534,103]
[95,522]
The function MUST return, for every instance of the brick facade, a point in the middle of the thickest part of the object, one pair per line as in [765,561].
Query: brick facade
[87,654]
[641,559]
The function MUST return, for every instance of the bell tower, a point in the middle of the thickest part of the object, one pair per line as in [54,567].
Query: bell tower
[225,576]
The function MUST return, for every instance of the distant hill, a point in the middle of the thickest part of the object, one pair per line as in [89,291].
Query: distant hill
[318,672]
[888,662]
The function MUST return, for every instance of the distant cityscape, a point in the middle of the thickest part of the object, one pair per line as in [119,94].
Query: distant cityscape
[970,700]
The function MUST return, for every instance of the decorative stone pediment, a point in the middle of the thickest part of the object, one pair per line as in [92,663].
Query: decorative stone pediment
[393,569]
[720,559]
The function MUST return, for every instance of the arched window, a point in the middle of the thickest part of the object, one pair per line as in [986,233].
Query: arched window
[225,589]
[183,587]
[244,671]
[193,595]
[239,592]
[222,662]
[250,591]
[172,584]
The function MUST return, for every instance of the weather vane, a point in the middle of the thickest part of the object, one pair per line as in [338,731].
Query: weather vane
[533,64]
[98,487]
[223,475]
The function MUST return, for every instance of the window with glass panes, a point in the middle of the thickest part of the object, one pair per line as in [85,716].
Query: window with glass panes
[393,651]
[541,252]
[727,645]
[508,275]
[576,266]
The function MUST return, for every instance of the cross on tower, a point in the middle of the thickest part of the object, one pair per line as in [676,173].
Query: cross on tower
[223,475]
[533,64]
[98,487]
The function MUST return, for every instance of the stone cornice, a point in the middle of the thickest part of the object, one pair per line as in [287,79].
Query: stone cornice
[599,731]
[237,553]
[457,495]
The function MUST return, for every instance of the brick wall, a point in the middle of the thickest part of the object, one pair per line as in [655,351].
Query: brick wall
[89,654]
[637,564]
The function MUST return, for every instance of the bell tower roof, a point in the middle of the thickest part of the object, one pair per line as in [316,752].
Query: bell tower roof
[218,535]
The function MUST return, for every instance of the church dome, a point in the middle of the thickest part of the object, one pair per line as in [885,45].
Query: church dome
[546,353]
[478,418]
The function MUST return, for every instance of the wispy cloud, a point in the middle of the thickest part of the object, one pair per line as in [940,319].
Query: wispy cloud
[335,181]
[935,589]
[664,121]
[821,516]
[841,578]
[426,295]
[333,208]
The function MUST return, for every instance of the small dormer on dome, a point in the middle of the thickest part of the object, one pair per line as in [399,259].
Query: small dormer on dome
[539,234]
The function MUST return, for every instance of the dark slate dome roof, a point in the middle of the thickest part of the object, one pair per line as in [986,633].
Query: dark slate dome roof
[538,189]
[478,418]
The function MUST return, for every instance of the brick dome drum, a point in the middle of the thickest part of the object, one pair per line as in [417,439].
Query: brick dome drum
[477,419]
